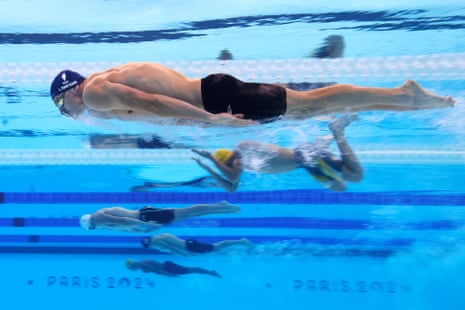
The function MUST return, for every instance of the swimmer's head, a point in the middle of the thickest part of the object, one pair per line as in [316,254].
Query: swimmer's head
[223,155]
[65,80]
[129,263]
[85,221]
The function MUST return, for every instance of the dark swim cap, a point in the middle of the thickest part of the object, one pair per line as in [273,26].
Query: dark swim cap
[65,80]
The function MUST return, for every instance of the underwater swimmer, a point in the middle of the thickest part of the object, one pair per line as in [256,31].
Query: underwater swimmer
[152,92]
[325,167]
[167,268]
[149,218]
[189,246]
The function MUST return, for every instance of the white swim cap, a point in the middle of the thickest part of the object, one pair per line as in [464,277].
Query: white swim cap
[85,221]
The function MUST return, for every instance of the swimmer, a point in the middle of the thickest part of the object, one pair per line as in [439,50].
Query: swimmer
[320,163]
[149,218]
[332,47]
[152,92]
[167,268]
[129,141]
[190,246]
[200,182]
[225,54]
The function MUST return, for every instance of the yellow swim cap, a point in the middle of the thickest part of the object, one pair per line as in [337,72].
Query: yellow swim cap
[129,262]
[223,155]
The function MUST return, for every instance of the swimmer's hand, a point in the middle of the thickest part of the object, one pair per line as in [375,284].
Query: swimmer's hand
[201,163]
[236,120]
[238,115]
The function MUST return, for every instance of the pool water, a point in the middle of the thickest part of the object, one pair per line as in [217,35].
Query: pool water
[393,241]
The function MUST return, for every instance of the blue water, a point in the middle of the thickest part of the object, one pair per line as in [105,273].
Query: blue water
[393,241]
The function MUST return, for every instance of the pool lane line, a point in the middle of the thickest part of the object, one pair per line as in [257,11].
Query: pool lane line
[297,223]
[411,198]
[119,157]
[439,66]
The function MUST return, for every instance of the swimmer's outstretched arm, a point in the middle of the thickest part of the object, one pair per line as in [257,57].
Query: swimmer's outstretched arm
[108,96]
[221,181]
[232,172]
[198,182]
[126,223]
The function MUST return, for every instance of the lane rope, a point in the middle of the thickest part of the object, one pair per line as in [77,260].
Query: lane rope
[83,157]
[447,66]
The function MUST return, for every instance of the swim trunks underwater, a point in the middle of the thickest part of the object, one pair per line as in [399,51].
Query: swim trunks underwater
[320,163]
[174,268]
[195,246]
[223,93]
[161,216]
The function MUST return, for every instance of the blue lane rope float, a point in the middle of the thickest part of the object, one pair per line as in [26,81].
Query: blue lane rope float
[412,198]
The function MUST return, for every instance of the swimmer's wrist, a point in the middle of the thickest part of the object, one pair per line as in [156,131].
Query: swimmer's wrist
[212,119]
[217,119]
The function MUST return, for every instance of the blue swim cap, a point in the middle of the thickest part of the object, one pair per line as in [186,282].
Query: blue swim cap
[65,80]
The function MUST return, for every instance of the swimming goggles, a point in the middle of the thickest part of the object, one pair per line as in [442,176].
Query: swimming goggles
[60,104]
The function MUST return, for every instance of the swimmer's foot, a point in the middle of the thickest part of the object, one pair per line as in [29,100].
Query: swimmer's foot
[226,207]
[338,125]
[421,99]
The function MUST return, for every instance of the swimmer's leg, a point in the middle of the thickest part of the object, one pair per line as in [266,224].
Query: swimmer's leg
[220,245]
[205,209]
[203,182]
[177,269]
[351,168]
[346,98]
[203,271]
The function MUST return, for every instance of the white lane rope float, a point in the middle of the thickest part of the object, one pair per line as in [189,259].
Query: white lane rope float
[449,66]
[82,157]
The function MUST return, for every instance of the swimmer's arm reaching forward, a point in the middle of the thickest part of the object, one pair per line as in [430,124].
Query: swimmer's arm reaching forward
[223,182]
[231,178]
[112,222]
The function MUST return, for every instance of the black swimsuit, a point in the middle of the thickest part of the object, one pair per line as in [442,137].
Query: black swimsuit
[195,246]
[161,216]
[174,268]
[257,101]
